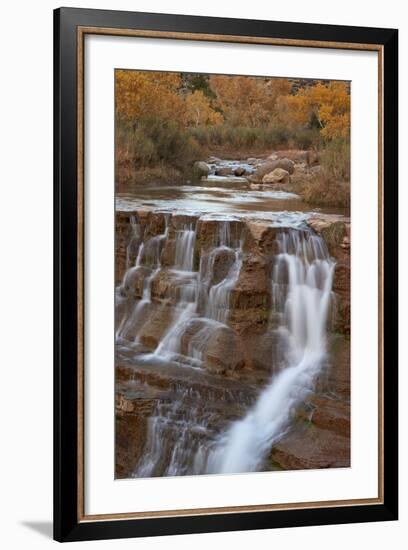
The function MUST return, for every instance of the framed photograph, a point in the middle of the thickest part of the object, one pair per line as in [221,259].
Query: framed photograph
[225,274]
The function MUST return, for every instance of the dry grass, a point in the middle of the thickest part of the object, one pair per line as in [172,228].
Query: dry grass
[330,185]
[324,192]
[127,177]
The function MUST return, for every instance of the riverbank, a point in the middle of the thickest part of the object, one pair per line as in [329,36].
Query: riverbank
[303,172]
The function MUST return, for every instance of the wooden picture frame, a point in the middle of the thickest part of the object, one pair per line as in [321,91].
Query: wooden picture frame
[70,27]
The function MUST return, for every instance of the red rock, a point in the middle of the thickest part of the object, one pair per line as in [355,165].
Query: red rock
[224,351]
[308,447]
[130,432]
[158,322]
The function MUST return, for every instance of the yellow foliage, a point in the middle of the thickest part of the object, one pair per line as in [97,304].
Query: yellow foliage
[147,94]
[198,111]
[248,101]
[244,101]
[329,104]
[158,95]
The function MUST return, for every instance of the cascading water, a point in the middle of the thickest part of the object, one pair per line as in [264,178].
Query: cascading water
[185,242]
[186,284]
[218,298]
[309,271]
[196,297]
[149,255]
[182,436]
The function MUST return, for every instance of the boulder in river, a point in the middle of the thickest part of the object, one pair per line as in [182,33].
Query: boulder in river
[223,171]
[279,175]
[267,167]
[201,168]
[239,171]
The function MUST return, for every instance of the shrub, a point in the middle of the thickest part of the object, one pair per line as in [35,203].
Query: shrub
[335,160]
[331,185]
[321,191]
[200,134]
[154,141]
[306,138]
[242,136]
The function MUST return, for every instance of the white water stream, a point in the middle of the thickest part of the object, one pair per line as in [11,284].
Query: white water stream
[310,274]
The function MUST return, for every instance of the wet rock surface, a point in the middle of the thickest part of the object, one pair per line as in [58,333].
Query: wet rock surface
[320,433]
[205,400]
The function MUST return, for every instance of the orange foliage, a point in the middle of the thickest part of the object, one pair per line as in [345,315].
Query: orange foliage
[147,94]
[244,101]
[328,104]
[158,95]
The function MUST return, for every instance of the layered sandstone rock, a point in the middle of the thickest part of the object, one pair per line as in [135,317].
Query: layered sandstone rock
[130,431]
[320,433]
[247,351]
[122,236]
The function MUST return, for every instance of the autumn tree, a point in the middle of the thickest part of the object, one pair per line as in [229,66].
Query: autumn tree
[248,101]
[142,94]
[158,95]
[198,111]
[328,106]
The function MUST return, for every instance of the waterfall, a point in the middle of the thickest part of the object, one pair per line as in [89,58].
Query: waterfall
[148,256]
[244,446]
[133,241]
[182,435]
[186,280]
[170,422]
[196,296]
[218,298]
[185,242]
